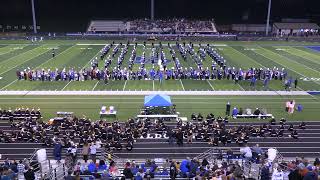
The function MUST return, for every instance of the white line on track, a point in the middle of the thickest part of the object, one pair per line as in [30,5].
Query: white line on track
[95,86]
[182,85]
[247,98]
[210,85]
[66,85]
[124,86]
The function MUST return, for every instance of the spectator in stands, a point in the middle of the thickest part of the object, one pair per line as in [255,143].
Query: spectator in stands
[93,152]
[85,151]
[173,170]
[265,173]
[20,167]
[310,175]
[69,176]
[246,152]
[57,151]
[127,171]
[29,174]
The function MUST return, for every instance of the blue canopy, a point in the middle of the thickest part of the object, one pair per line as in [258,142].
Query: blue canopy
[157,100]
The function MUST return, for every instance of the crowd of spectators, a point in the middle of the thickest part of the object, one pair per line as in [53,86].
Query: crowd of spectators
[12,169]
[187,168]
[298,169]
[171,25]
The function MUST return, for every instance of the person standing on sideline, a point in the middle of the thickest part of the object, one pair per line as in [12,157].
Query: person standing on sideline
[296,83]
[85,152]
[93,152]
[53,53]
[228,106]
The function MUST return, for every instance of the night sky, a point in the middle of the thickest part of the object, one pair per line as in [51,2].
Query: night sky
[75,14]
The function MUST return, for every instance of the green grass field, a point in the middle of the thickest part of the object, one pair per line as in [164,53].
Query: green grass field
[299,61]
[129,106]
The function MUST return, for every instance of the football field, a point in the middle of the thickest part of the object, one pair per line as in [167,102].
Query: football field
[300,60]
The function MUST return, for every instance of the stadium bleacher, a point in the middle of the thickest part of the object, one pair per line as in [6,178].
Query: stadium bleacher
[106,26]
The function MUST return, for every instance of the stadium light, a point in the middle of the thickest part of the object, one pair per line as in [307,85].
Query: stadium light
[34,17]
[268,18]
[152,10]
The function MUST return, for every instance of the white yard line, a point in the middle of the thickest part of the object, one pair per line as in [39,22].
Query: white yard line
[55,56]
[8,84]
[182,85]
[292,60]
[241,87]
[22,62]
[39,66]
[210,85]
[284,65]
[23,53]
[65,85]
[248,57]
[95,86]
[124,86]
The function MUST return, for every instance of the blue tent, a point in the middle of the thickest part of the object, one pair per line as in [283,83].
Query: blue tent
[157,100]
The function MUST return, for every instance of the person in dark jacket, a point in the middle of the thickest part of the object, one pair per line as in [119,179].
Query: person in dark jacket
[127,173]
[29,174]
[173,171]
[228,106]
[265,174]
[311,175]
[57,151]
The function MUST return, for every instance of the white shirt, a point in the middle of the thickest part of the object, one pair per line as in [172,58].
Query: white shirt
[93,149]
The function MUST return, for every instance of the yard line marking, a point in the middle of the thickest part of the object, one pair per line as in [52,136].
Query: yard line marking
[65,86]
[39,66]
[299,55]
[95,86]
[55,56]
[152,85]
[248,57]
[124,86]
[291,60]
[26,60]
[210,85]
[22,53]
[8,84]
[241,87]
[182,84]
[283,65]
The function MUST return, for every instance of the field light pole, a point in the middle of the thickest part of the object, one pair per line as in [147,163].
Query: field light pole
[268,18]
[34,17]
[152,10]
